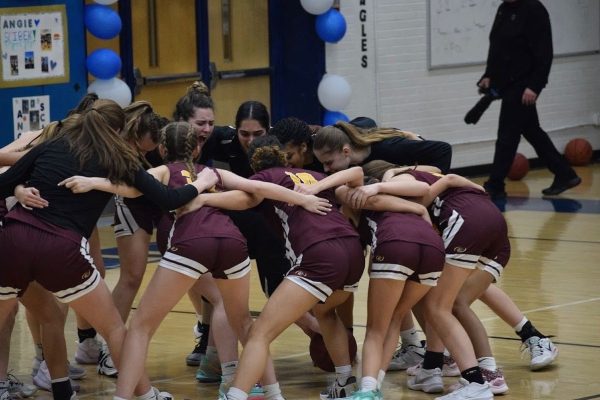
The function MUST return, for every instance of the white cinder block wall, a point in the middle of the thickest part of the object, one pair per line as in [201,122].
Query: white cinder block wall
[397,89]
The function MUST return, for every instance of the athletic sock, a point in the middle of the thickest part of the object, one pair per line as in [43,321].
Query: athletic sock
[433,360]
[473,375]
[83,334]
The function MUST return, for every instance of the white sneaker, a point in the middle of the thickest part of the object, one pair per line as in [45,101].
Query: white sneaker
[469,391]
[43,381]
[427,380]
[162,395]
[407,356]
[74,371]
[337,391]
[106,365]
[88,351]
[542,351]
[16,389]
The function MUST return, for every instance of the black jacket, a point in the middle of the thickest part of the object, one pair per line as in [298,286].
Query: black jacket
[520,50]
[223,145]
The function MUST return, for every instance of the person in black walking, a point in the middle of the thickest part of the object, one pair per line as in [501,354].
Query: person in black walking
[518,65]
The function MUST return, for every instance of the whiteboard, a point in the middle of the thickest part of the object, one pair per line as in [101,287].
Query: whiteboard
[459,29]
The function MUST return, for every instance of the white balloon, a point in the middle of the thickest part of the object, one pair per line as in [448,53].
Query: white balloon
[316,7]
[334,92]
[105,2]
[113,89]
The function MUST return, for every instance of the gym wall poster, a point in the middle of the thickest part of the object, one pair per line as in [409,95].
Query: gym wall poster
[33,46]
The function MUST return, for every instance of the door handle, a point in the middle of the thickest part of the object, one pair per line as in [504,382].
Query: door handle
[141,81]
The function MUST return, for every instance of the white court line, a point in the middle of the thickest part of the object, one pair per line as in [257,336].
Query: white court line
[573,303]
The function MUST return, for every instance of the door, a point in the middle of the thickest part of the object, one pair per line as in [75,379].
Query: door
[167,52]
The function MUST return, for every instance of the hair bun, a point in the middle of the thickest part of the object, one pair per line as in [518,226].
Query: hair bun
[199,86]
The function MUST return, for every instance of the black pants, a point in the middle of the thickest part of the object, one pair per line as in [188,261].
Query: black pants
[265,246]
[517,119]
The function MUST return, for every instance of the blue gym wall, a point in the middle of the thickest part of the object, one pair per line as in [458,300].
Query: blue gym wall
[63,96]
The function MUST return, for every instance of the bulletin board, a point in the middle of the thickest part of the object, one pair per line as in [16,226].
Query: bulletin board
[34,46]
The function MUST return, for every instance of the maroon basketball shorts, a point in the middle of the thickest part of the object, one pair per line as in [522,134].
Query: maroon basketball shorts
[334,264]
[401,260]
[225,258]
[131,217]
[477,242]
[59,261]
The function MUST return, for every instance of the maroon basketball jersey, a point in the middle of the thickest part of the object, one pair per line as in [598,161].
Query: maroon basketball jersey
[205,222]
[303,228]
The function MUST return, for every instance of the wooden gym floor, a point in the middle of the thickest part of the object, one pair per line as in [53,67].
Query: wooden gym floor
[552,276]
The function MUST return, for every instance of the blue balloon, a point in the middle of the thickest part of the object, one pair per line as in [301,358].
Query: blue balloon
[332,117]
[103,63]
[331,26]
[102,21]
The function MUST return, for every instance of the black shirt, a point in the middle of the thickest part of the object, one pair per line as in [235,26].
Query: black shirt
[51,162]
[520,46]
[224,145]
[402,151]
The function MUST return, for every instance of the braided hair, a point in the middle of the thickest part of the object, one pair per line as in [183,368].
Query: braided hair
[179,141]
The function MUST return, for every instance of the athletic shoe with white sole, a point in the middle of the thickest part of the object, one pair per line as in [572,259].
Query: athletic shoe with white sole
[542,351]
[469,391]
[337,391]
[88,351]
[427,380]
[496,380]
[43,381]
[407,356]
[15,388]
[106,366]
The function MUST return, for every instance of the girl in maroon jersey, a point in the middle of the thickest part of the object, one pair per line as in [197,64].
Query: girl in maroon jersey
[199,242]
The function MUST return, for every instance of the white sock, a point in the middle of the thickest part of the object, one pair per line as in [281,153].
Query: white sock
[272,391]
[368,383]
[380,378]
[236,394]
[228,370]
[410,336]
[118,398]
[488,363]
[520,325]
[342,373]
[148,396]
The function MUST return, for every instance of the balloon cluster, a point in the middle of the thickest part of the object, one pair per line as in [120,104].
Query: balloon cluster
[104,64]
[334,91]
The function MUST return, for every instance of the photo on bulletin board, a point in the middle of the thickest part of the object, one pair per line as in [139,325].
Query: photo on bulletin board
[30,113]
[34,46]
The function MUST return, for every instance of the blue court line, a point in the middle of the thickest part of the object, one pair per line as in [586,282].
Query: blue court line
[552,204]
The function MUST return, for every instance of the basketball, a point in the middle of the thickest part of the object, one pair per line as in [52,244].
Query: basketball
[578,152]
[320,356]
[519,167]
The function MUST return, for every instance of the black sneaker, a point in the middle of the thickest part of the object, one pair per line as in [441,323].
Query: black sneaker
[558,186]
[495,193]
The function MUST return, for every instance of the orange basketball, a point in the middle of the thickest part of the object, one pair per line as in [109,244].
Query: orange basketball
[578,152]
[519,167]
[320,356]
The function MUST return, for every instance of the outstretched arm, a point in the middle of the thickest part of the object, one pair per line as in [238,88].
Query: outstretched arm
[275,192]
[352,177]
[446,182]
[231,200]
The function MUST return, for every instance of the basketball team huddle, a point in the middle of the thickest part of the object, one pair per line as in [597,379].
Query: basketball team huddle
[314,206]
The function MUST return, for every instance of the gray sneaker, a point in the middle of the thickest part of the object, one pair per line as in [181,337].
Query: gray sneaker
[427,380]
[407,356]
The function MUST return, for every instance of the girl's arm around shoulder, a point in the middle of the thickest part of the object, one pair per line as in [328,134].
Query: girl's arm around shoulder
[352,177]
[272,191]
